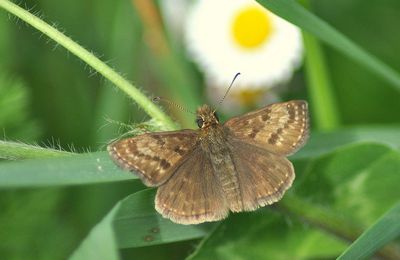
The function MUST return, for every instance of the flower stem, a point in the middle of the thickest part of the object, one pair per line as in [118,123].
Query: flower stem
[323,102]
[148,106]
[323,105]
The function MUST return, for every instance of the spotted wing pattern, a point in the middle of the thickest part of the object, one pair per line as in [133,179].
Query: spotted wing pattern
[281,128]
[154,156]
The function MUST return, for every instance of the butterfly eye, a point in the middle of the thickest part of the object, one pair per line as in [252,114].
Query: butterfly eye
[199,122]
[216,116]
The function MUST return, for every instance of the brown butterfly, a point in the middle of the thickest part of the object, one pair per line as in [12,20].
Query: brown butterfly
[237,166]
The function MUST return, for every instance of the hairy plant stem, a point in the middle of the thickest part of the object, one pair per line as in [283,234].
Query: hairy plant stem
[148,106]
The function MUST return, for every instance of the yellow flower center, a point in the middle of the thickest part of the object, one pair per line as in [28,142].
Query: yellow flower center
[251,27]
[249,97]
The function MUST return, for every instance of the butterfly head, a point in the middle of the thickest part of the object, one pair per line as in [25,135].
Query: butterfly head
[206,117]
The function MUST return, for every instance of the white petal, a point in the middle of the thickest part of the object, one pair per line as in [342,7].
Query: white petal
[210,44]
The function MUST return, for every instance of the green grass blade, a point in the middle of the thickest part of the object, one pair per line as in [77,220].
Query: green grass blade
[97,167]
[66,170]
[14,151]
[382,232]
[298,15]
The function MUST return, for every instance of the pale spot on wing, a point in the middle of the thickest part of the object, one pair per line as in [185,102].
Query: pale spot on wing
[281,128]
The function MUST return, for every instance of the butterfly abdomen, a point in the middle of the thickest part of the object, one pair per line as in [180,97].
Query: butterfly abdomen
[224,169]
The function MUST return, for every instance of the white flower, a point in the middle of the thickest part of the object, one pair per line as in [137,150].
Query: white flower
[229,36]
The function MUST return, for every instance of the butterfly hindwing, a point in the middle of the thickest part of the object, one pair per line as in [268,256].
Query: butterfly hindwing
[263,176]
[281,128]
[153,156]
[193,194]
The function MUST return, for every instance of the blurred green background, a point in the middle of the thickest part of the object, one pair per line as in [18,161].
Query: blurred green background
[49,97]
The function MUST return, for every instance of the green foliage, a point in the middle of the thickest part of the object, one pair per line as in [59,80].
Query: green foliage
[14,103]
[339,187]
[385,229]
[346,184]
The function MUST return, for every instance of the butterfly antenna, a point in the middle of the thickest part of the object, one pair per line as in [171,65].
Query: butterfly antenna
[170,103]
[227,91]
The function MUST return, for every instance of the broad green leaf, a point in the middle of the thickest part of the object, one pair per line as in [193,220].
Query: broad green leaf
[265,234]
[360,181]
[101,242]
[322,143]
[383,231]
[133,222]
[298,15]
[138,224]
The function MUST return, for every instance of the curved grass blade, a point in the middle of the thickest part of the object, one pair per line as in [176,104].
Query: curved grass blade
[66,170]
[298,15]
[382,232]
[77,169]
[15,150]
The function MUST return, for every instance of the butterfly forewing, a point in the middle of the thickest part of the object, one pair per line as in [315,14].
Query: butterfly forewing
[153,156]
[281,128]
[193,195]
